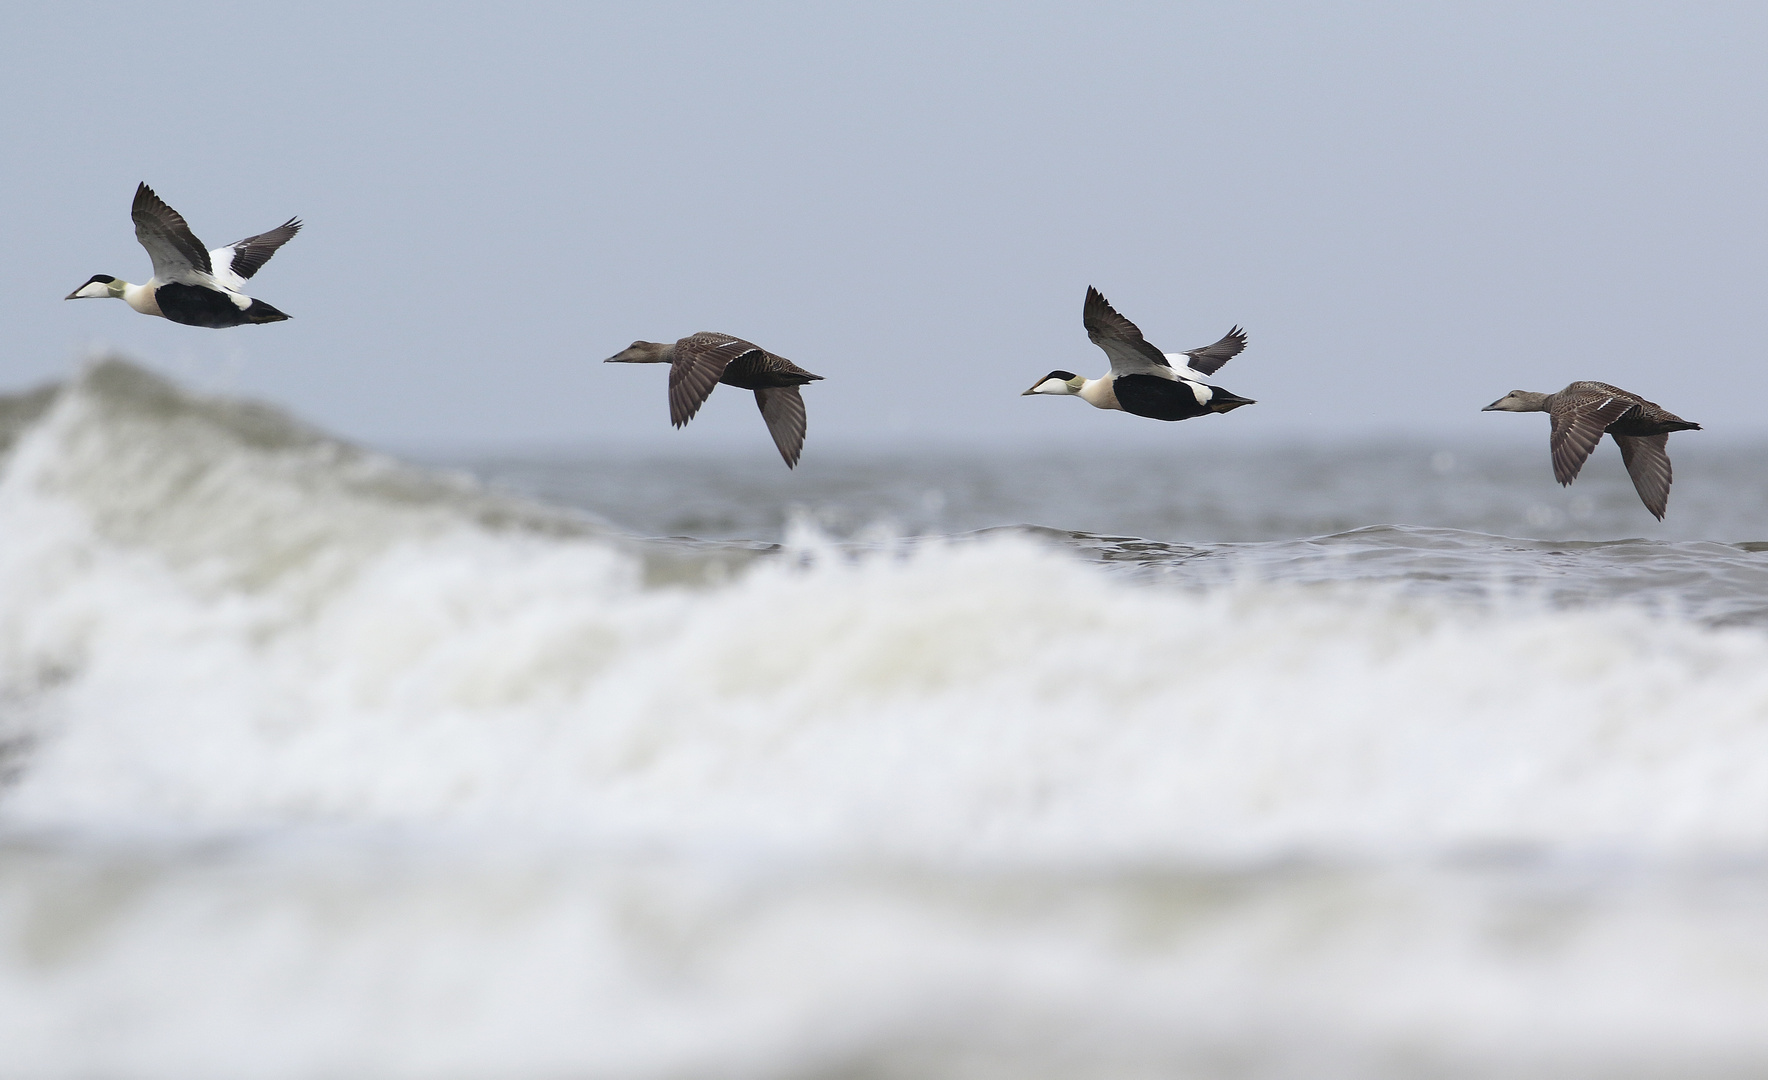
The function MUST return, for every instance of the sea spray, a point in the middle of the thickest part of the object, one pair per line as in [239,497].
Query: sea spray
[226,620]
[324,764]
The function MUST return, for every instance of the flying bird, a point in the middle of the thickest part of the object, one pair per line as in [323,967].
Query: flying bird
[1142,379]
[701,361]
[190,284]
[1583,411]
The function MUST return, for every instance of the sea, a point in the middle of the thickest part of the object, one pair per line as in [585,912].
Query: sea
[1315,760]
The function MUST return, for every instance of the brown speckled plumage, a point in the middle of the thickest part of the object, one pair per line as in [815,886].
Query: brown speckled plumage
[1584,411]
[701,361]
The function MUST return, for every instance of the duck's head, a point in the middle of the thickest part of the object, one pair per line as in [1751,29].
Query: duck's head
[99,285]
[641,352]
[1057,382]
[1519,401]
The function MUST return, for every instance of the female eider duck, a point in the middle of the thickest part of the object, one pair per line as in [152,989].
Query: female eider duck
[1583,411]
[190,284]
[1142,378]
[701,361]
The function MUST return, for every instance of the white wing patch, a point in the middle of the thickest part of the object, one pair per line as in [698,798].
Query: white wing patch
[1182,362]
[221,260]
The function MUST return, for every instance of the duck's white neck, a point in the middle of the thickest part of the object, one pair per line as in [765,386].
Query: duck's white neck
[1099,394]
[141,297]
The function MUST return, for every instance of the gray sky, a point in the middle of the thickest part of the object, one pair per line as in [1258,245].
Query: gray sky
[1411,211]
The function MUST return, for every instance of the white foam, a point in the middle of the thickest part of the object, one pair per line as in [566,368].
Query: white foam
[377,963]
[219,634]
[947,801]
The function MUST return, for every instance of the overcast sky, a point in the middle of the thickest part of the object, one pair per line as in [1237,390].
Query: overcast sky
[1411,211]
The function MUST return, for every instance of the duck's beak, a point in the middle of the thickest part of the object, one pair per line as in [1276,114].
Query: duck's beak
[1493,407]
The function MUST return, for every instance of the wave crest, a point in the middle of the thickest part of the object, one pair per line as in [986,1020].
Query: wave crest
[215,616]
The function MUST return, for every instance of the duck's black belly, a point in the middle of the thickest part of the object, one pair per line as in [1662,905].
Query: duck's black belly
[1156,398]
[194,305]
[1638,422]
[755,371]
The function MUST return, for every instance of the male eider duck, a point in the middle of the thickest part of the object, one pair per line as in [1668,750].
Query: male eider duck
[1583,411]
[1142,378]
[190,284]
[701,361]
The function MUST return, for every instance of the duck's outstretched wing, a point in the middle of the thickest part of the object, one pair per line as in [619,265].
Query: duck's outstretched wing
[1129,351]
[1210,358]
[243,258]
[783,409]
[699,362]
[176,252]
[1579,419]
[1649,466]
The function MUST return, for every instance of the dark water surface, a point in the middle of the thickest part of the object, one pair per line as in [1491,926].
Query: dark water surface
[1468,522]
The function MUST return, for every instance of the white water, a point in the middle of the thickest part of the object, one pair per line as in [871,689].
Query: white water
[326,766]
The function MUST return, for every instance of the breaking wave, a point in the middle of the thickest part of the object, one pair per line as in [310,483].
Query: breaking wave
[218,625]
